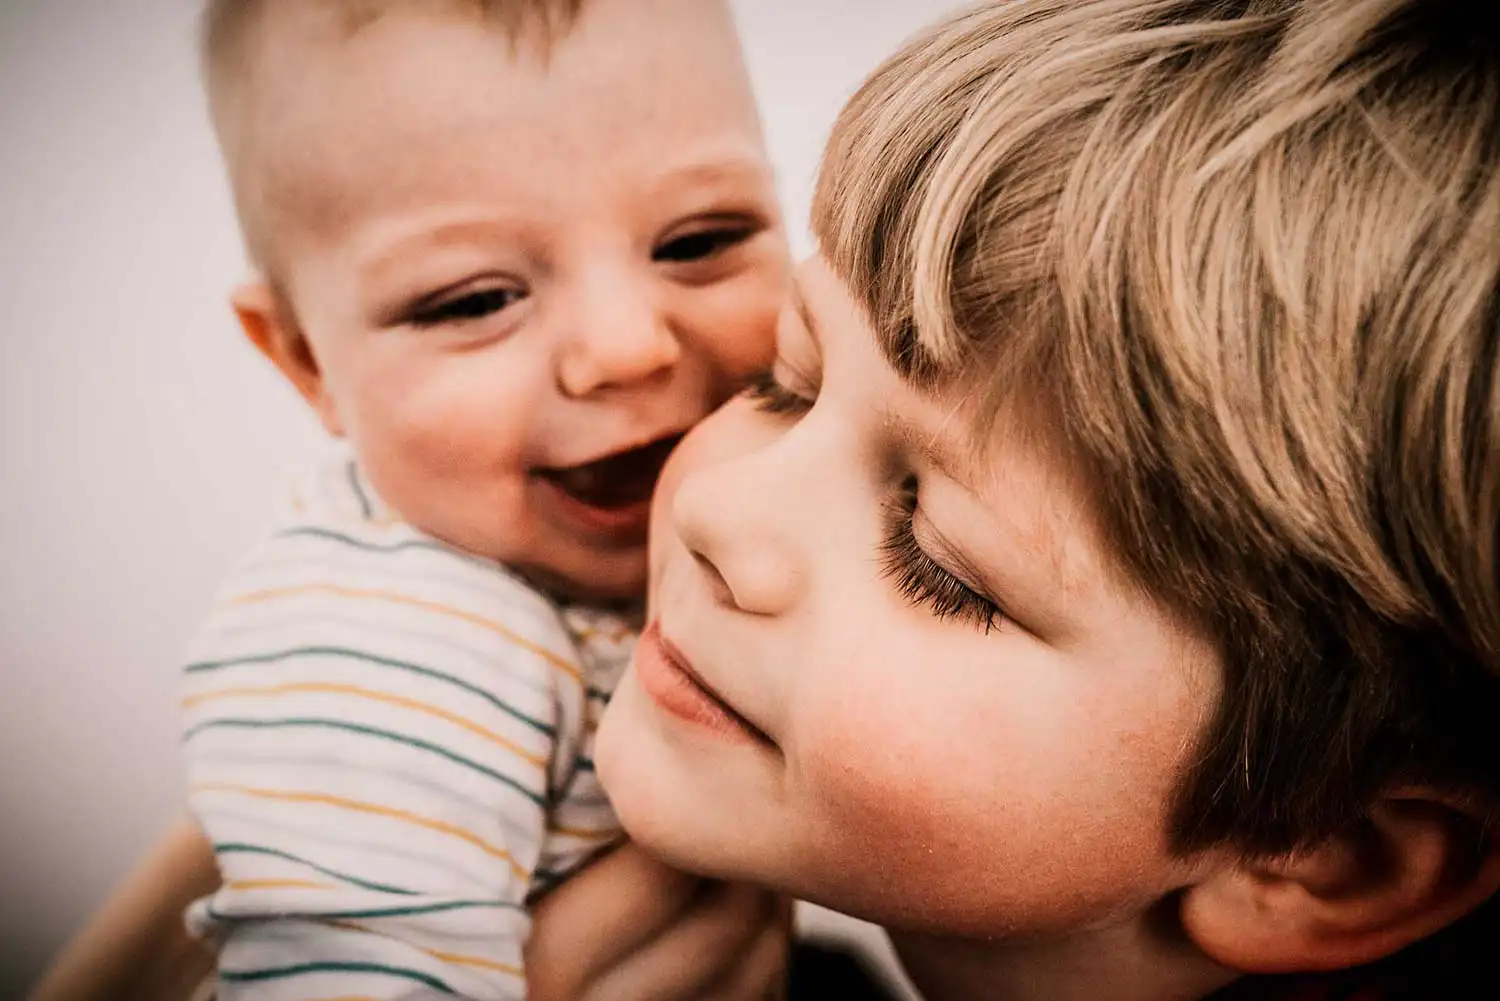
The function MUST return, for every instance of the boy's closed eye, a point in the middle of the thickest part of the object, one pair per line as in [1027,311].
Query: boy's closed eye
[920,578]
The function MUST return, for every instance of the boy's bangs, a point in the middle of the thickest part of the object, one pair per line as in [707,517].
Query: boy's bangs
[904,213]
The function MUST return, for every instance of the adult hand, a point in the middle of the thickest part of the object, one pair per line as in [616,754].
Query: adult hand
[630,928]
[136,947]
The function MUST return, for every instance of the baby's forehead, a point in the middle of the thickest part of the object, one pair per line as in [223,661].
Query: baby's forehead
[335,115]
[234,29]
[274,52]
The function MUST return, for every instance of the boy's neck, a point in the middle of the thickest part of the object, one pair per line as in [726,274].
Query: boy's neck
[1143,960]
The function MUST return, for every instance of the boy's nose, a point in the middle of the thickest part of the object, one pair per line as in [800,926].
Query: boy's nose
[612,348]
[726,518]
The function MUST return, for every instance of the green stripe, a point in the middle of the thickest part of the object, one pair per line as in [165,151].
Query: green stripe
[359,491]
[309,531]
[369,731]
[370,658]
[389,912]
[238,848]
[396,912]
[283,972]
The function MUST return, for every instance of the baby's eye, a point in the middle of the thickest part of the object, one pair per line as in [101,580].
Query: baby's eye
[700,245]
[473,305]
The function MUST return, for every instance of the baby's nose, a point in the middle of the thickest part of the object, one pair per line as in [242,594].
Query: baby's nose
[623,347]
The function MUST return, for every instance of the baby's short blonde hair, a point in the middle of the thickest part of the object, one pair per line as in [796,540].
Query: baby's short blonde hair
[231,33]
[1243,258]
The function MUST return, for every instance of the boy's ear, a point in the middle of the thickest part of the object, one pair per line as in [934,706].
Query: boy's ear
[1417,863]
[275,332]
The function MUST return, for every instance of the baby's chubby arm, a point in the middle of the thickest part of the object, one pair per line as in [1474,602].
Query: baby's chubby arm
[374,731]
[627,928]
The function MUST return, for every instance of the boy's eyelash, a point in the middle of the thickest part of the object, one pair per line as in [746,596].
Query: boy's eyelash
[921,579]
[473,305]
[772,397]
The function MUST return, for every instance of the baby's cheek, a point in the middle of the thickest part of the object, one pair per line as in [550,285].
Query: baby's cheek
[446,423]
[407,449]
[738,324]
[448,462]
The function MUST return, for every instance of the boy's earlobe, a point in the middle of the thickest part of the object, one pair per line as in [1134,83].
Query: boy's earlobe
[1416,864]
[275,333]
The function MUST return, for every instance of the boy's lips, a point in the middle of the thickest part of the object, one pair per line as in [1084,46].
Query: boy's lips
[669,679]
[611,494]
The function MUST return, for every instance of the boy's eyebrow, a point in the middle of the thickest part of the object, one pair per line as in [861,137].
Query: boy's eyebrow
[923,443]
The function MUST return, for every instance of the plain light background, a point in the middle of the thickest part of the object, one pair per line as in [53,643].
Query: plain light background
[140,437]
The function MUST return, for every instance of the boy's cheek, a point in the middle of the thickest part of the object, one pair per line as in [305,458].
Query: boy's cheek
[873,798]
[885,773]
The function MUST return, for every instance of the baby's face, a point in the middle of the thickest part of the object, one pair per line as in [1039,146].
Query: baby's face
[523,279]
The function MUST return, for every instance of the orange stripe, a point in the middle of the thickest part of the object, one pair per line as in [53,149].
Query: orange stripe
[483,964]
[275,884]
[442,827]
[328,688]
[615,634]
[579,832]
[255,597]
[456,958]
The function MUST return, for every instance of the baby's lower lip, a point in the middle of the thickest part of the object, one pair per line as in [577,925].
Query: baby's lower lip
[622,523]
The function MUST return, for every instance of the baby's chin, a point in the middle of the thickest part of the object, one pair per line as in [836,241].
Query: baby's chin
[613,578]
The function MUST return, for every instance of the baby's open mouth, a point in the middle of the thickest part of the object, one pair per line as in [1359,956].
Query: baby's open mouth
[615,481]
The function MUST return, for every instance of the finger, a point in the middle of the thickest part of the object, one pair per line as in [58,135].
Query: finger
[761,973]
[683,961]
[679,963]
[603,914]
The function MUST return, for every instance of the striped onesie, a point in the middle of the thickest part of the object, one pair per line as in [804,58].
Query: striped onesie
[388,743]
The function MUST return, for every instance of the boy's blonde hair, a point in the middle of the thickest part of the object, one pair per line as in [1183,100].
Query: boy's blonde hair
[230,33]
[1246,256]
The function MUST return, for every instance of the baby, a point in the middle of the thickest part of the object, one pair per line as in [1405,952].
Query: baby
[509,252]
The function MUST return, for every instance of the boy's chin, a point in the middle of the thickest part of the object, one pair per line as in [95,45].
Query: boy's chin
[632,776]
[614,742]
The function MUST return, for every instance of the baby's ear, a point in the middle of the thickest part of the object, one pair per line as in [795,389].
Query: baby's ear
[273,329]
[1417,863]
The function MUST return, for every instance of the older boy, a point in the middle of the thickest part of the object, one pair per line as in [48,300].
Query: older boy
[1101,590]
